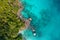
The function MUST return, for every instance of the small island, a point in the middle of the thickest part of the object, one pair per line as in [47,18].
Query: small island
[10,21]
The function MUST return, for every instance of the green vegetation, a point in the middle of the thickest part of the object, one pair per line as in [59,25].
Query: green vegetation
[10,24]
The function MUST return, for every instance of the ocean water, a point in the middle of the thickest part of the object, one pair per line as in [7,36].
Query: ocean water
[45,16]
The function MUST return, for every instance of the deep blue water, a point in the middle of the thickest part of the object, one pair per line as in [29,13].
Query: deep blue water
[45,16]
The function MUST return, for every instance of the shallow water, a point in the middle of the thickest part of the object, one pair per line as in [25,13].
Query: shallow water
[45,16]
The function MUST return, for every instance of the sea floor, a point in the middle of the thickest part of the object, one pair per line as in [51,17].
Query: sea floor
[45,16]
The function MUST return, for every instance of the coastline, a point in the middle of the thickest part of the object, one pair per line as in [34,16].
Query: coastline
[20,8]
[26,21]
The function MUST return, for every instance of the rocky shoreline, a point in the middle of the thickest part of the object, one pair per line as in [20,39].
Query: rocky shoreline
[26,21]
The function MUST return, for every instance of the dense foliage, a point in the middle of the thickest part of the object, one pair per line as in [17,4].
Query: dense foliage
[9,21]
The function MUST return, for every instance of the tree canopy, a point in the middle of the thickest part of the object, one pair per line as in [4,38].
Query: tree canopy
[10,24]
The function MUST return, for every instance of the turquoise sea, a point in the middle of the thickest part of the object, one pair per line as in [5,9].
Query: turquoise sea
[45,16]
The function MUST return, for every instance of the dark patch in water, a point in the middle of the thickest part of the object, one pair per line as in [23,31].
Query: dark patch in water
[45,17]
[56,4]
